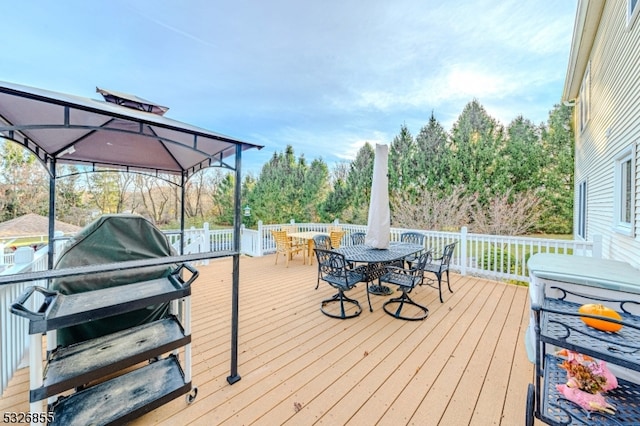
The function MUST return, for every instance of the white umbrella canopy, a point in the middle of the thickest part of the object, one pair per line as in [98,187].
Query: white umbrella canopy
[379,220]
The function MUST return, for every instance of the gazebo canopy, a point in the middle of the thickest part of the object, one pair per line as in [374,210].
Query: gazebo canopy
[126,132]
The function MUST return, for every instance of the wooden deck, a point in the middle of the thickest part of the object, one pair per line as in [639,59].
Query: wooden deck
[464,364]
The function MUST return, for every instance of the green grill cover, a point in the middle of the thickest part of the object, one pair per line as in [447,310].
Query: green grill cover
[109,239]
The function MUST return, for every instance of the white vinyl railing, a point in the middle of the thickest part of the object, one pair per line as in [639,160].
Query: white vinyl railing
[14,336]
[202,240]
[490,256]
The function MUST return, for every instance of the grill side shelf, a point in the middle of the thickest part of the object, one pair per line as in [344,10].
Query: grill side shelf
[125,397]
[59,310]
[91,360]
[561,326]
[557,410]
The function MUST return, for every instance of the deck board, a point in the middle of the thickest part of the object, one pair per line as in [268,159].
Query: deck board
[464,364]
[412,376]
[476,375]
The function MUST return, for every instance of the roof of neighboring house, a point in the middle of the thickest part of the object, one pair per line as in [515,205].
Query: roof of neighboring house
[585,29]
[31,225]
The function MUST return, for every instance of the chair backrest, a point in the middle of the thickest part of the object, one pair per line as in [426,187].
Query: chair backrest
[289,228]
[357,238]
[409,277]
[336,238]
[332,267]
[447,253]
[412,237]
[322,242]
[417,267]
[281,239]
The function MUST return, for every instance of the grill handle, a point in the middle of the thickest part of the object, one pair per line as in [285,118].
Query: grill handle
[18,307]
[194,274]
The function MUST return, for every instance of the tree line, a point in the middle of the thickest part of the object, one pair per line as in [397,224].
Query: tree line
[493,179]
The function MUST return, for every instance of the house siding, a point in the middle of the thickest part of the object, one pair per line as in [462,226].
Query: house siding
[613,127]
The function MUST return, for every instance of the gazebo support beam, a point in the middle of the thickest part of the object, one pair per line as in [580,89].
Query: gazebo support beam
[52,211]
[235,296]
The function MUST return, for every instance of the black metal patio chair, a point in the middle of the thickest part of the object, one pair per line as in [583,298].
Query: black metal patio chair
[357,238]
[322,242]
[439,267]
[412,238]
[333,269]
[406,279]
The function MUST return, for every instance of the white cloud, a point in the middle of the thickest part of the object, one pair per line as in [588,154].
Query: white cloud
[460,82]
[323,77]
[354,144]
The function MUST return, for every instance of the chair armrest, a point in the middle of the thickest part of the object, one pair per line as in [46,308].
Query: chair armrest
[397,269]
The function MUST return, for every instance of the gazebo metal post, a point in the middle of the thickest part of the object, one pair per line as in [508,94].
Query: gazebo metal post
[182,185]
[52,210]
[233,376]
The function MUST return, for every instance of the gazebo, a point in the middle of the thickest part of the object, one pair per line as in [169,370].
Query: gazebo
[121,133]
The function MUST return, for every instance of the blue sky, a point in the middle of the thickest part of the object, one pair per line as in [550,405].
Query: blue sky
[322,76]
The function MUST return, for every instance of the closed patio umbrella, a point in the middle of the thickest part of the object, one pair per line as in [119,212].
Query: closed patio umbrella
[379,220]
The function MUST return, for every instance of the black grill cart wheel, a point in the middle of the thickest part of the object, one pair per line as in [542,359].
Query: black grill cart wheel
[191,396]
[531,393]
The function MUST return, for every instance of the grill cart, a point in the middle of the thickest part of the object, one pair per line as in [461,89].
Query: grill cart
[560,285]
[123,337]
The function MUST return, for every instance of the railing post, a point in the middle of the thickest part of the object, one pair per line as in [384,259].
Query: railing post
[243,243]
[596,251]
[463,250]
[260,242]
[207,236]
[207,242]
[58,245]
[23,255]
[2,247]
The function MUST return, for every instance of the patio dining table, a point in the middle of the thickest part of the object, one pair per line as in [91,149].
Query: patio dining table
[375,260]
[308,237]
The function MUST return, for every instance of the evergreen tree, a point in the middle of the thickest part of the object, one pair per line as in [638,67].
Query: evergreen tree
[359,185]
[224,199]
[524,155]
[315,189]
[246,199]
[431,157]
[557,182]
[477,144]
[338,197]
[402,153]
[288,189]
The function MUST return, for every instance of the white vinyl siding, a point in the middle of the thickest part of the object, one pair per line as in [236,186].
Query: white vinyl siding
[612,128]
[585,99]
